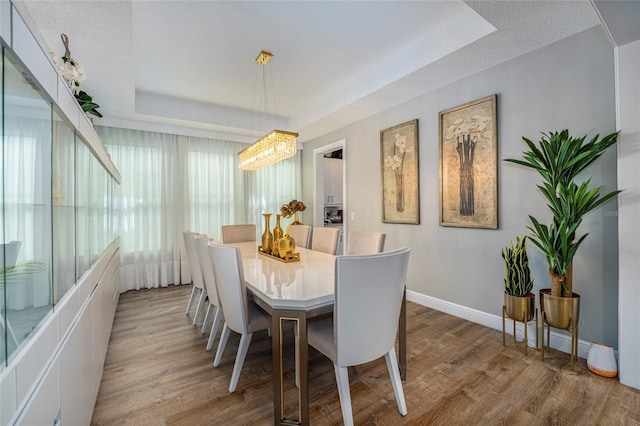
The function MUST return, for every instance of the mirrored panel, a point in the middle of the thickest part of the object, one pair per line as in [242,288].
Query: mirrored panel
[26,208]
[63,200]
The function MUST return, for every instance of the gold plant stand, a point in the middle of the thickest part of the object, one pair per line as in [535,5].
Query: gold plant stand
[562,313]
[518,309]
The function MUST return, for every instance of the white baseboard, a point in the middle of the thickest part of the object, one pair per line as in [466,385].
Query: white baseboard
[559,341]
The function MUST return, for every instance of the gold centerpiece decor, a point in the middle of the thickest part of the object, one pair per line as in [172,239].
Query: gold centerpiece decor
[292,209]
[267,236]
[277,235]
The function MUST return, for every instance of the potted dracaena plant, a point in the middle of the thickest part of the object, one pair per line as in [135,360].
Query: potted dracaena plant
[559,158]
[519,301]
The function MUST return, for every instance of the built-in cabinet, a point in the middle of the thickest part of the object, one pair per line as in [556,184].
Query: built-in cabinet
[59,245]
[333,176]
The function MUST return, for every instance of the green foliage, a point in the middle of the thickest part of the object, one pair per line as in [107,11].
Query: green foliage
[87,104]
[518,281]
[10,274]
[559,158]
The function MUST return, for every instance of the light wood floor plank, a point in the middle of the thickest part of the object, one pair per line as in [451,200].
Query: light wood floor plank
[157,372]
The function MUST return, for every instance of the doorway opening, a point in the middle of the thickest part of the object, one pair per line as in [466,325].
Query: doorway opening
[330,188]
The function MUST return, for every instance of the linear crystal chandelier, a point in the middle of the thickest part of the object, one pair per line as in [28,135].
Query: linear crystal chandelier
[277,145]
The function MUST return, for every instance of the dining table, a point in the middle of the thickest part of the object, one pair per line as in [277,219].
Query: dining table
[297,292]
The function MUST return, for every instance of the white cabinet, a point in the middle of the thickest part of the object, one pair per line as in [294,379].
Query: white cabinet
[333,174]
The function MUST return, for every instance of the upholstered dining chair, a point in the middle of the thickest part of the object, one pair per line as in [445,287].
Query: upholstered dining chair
[375,283]
[301,234]
[238,233]
[325,239]
[214,309]
[240,315]
[196,275]
[365,242]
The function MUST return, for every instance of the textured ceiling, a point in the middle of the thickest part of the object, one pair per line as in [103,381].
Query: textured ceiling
[191,63]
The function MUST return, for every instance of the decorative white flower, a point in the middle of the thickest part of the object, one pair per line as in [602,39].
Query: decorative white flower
[393,162]
[73,73]
[401,142]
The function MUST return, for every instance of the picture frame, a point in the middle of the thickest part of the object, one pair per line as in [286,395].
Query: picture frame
[468,146]
[400,173]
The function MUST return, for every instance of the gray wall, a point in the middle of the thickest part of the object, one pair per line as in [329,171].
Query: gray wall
[569,84]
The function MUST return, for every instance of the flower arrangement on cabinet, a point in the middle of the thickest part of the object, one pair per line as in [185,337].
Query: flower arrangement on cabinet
[73,74]
[294,206]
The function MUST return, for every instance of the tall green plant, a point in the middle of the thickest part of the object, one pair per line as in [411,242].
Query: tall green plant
[559,158]
[517,281]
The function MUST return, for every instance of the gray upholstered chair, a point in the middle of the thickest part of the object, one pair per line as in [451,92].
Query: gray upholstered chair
[196,275]
[365,242]
[240,315]
[325,239]
[238,233]
[375,284]
[214,309]
[301,234]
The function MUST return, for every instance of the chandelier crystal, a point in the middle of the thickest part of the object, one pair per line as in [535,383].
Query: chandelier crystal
[273,147]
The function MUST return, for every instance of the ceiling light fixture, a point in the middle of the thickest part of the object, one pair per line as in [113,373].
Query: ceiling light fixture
[275,146]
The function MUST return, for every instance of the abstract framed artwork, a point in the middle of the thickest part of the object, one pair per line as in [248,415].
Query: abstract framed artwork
[400,174]
[468,165]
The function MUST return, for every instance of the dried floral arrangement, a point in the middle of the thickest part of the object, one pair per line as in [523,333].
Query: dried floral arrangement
[288,210]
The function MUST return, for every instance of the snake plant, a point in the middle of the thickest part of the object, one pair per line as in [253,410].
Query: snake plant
[518,281]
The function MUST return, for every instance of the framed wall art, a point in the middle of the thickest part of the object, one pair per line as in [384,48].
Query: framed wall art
[400,177]
[468,165]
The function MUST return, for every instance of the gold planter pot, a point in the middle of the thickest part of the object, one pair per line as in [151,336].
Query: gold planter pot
[521,309]
[562,313]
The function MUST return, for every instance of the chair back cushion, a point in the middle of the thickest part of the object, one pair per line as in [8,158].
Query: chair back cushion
[365,242]
[202,242]
[368,298]
[301,234]
[229,276]
[325,239]
[238,233]
[192,256]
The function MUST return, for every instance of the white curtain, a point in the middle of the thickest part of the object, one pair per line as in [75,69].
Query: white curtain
[172,183]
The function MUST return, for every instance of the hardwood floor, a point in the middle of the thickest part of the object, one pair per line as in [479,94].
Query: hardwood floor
[157,372]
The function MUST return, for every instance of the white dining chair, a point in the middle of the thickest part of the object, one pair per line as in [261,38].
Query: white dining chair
[240,315]
[214,309]
[365,242]
[238,233]
[325,239]
[352,336]
[196,275]
[301,234]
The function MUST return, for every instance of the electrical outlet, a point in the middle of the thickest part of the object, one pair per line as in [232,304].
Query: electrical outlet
[353,215]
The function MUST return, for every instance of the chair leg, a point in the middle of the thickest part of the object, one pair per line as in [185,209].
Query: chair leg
[203,298]
[221,345]
[245,340]
[207,317]
[217,320]
[394,374]
[192,298]
[342,380]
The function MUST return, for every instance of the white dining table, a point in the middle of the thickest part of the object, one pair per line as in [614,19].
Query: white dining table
[297,291]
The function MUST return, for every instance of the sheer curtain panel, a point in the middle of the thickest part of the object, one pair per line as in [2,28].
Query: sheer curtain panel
[172,183]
